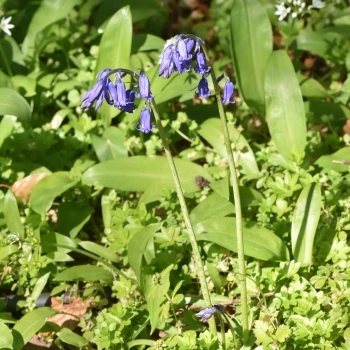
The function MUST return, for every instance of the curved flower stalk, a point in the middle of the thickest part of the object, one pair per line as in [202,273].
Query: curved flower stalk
[178,56]
[116,94]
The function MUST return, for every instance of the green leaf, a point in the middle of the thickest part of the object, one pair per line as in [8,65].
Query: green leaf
[251,38]
[39,286]
[115,55]
[49,12]
[52,186]
[284,106]
[6,127]
[329,45]
[342,155]
[111,145]
[306,215]
[8,250]
[139,342]
[11,213]
[71,338]
[102,252]
[88,273]
[211,131]
[6,338]
[50,239]
[12,103]
[72,217]
[146,42]
[311,87]
[137,173]
[259,242]
[137,247]
[29,325]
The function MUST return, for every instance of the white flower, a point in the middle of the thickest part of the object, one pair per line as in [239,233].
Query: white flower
[5,25]
[318,4]
[282,11]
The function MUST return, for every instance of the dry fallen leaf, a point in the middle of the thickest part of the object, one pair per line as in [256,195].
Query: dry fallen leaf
[23,188]
[346,127]
[76,309]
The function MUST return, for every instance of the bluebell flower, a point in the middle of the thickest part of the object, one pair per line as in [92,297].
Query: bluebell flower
[182,50]
[208,312]
[144,86]
[229,89]
[202,67]
[203,89]
[130,104]
[179,54]
[103,89]
[121,92]
[145,124]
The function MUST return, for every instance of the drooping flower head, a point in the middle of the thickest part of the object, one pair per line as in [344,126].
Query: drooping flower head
[102,90]
[117,95]
[178,55]
[208,312]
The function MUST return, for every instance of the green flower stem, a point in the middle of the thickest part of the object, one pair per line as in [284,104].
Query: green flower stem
[238,209]
[6,62]
[195,250]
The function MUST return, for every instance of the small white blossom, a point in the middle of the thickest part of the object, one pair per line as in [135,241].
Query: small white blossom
[282,11]
[5,25]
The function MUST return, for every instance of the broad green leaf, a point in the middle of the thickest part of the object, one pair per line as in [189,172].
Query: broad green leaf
[12,103]
[8,250]
[52,186]
[251,39]
[140,9]
[215,205]
[139,172]
[342,155]
[146,42]
[311,87]
[329,45]
[50,240]
[29,325]
[259,242]
[6,126]
[137,247]
[11,213]
[71,338]
[26,83]
[72,217]
[102,252]
[6,338]
[88,273]
[284,106]
[39,286]
[320,112]
[306,215]
[111,145]
[211,131]
[114,54]
[49,12]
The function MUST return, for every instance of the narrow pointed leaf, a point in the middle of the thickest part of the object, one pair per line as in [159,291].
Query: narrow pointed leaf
[11,213]
[306,216]
[284,106]
[259,242]
[251,39]
[139,172]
